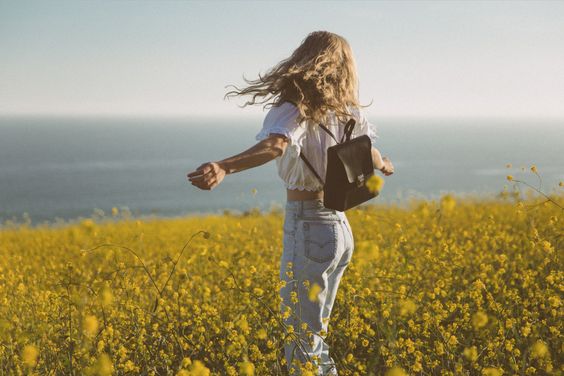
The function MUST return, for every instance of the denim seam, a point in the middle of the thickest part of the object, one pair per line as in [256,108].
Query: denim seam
[348,229]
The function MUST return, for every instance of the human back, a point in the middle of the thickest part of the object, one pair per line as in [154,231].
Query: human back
[310,139]
[317,84]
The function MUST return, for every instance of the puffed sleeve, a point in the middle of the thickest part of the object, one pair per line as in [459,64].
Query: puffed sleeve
[364,127]
[283,120]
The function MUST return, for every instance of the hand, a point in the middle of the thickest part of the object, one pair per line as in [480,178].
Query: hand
[388,167]
[207,176]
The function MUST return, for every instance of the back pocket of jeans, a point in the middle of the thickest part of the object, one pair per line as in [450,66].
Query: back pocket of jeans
[320,240]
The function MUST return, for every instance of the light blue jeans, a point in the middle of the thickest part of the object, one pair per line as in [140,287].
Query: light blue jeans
[318,246]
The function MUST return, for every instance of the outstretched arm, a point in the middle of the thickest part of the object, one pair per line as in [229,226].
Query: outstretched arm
[210,174]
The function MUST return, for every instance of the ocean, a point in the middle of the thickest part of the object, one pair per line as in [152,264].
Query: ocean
[63,169]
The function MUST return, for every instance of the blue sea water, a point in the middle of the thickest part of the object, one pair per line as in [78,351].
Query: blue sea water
[68,168]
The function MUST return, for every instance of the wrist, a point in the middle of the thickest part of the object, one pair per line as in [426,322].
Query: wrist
[380,164]
[224,167]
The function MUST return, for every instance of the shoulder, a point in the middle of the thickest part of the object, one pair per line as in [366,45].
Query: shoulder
[284,106]
[356,112]
[283,113]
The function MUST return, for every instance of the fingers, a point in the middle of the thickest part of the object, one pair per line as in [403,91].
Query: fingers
[388,169]
[193,173]
[204,178]
[206,185]
[197,171]
[201,172]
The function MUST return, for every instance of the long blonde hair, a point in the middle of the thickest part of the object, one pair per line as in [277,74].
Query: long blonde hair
[318,77]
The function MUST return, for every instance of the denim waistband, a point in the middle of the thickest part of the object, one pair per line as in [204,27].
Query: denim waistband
[299,206]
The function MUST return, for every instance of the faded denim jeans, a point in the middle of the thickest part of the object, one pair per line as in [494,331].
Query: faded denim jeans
[318,246]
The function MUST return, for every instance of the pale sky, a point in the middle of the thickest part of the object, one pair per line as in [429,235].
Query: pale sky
[170,58]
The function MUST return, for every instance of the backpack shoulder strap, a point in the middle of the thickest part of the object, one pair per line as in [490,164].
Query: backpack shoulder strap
[302,156]
[328,131]
[348,130]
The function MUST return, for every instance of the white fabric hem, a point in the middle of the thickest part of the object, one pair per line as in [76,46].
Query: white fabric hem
[302,188]
[265,133]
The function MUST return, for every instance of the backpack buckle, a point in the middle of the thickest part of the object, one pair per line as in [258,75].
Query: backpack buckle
[360,180]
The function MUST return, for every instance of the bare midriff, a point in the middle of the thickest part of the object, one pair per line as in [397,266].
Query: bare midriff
[297,195]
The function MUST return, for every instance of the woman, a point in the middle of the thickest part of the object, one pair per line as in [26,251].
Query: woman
[316,84]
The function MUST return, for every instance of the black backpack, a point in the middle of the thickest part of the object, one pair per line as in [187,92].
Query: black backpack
[349,166]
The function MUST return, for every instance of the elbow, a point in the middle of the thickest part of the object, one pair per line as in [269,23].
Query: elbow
[278,150]
[278,146]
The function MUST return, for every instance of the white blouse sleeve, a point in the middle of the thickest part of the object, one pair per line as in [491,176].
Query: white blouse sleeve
[283,120]
[364,127]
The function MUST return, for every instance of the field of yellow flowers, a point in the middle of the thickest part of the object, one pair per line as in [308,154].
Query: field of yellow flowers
[447,287]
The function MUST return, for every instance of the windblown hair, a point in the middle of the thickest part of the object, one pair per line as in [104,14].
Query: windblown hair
[320,76]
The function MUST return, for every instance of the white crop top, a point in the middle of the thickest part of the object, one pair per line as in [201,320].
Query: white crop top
[310,138]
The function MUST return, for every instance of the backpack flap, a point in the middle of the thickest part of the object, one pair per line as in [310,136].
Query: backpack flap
[356,156]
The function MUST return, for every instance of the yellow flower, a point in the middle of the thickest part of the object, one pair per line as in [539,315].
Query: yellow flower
[439,348]
[447,202]
[471,353]
[129,366]
[106,297]
[105,366]
[199,369]
[254,191]
[490,371]
[314,292]
[115,211]
[479,285]
[243,324]
[374,183]
[534,169]
[479,319]
[88,223]
[29,355]
[546,246]
[261,334]
[539,349]
[407,307]
[509,177]
[186,362]
[246,368]
[90,325]
[102,367]
[395,371]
